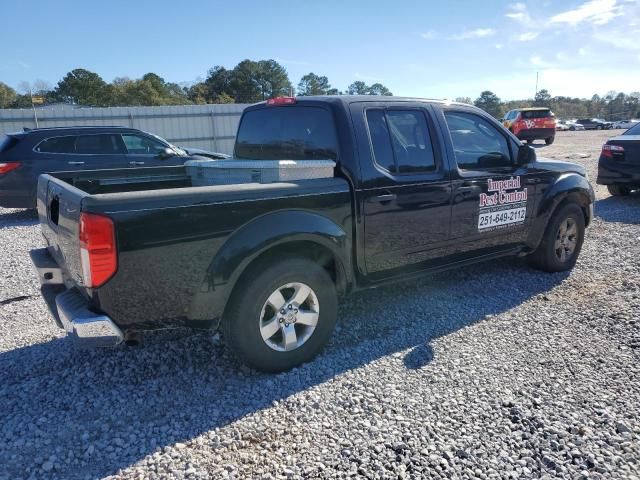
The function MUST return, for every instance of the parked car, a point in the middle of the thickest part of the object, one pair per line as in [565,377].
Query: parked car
[619,163]
[625,124]
[574,126]
[568,125]
[594,124]
[531,124]
[26,155]
[419,186]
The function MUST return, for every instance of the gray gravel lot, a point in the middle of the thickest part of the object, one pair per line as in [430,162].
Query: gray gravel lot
[493,371]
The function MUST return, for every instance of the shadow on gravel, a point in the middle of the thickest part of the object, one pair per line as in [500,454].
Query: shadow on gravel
[91,413]
[619,209]
[18,218]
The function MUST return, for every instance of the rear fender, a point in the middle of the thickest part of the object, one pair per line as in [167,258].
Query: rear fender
[568,187]
[255,238]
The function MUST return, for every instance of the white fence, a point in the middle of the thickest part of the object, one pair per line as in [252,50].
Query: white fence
[210,127]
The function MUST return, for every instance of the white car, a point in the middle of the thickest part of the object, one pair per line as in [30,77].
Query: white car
[571,125]
[626,123]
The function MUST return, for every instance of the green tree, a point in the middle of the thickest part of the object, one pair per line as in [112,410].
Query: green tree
[490,103]
[312,84]
[255,81]
[218,85]
[542,98]
[379,89]
[466,100]
[82,87]
[273,80]
[7,95]
[358,88]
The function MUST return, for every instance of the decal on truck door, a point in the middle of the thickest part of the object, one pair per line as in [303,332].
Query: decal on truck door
[503,206]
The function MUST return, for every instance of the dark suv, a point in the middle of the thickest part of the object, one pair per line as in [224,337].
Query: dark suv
[26,155]
[594,124]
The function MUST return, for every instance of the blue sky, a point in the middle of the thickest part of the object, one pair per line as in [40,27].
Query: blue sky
[433,49]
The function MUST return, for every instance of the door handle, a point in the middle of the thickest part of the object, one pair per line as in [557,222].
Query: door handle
[75,163]
[136,163]
[384,198]
[470,188]
[533,181]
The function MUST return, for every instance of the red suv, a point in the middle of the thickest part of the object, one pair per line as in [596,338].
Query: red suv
[535,123]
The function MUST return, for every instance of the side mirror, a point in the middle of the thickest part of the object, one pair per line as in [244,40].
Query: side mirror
[526,154]
[166,153]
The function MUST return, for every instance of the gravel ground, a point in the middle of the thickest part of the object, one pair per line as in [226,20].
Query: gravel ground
[493,371]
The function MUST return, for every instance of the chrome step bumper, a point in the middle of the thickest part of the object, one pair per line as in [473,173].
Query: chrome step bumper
[70,308]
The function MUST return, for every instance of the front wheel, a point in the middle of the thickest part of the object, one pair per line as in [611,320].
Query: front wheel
[281,314]
[618,190]
[562,241]
[598,127]
[549,140]
[529,141]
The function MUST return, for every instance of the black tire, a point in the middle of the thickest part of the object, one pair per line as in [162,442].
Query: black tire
[241,325]
[529,141]
[549,140]
[598,127]
[572,129]
[546,257]
[618,190]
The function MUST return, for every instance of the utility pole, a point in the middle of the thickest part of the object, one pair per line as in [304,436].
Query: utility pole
[35,114]
[536,84]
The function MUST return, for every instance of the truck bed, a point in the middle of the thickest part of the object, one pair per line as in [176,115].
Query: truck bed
[168,233]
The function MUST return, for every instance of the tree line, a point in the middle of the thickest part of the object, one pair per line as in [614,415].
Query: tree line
[613,106]
[248,82]
[253,81]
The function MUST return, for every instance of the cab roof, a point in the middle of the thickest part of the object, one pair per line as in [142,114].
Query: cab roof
[532,109]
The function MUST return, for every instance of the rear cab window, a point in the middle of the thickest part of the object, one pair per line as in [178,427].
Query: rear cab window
[287,133]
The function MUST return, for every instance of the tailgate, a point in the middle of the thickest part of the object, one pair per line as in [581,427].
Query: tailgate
[59,205]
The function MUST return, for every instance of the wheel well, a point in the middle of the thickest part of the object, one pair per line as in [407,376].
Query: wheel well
[581,201]
[301,249]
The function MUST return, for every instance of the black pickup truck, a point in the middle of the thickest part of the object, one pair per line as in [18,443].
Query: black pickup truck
[419,186]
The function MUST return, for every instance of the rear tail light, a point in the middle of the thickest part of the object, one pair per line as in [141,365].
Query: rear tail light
[609,150]
[98,253]
[8,166]
[281,101]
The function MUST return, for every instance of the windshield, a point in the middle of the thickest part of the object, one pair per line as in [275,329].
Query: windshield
[635,130]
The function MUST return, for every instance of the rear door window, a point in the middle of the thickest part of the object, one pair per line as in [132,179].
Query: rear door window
[401,141]
[98,144]
[287,133]
[66,144]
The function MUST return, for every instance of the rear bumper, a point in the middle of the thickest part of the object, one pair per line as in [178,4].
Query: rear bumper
[70,308]
[613,172]
[536,133]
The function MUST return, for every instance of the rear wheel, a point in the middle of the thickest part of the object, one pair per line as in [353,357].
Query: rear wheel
[618,190]
[562,240]
[549,140]
[281,314]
